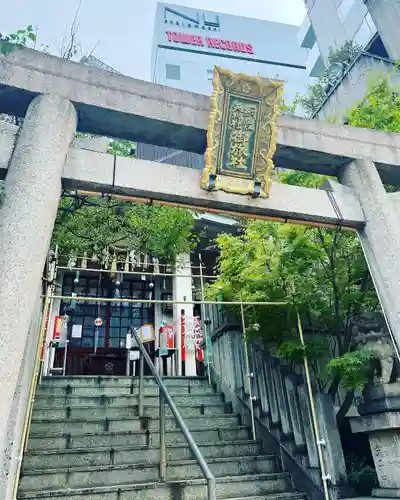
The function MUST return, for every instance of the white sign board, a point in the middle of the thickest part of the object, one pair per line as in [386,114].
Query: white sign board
[128,344]
[76,331]
[147,333]
[134,355]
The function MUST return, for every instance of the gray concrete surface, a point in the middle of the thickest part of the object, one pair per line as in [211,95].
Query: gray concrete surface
[32,193]
[8,134]
[115,105]
[91,465]
[380,238]
[383,434]
[20,401]
[159,181]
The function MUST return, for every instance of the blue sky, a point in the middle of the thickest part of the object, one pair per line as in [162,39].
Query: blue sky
[121,30]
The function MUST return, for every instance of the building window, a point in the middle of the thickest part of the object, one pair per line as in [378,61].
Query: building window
[210,74]
[377,48]
[364,34]
[344,8]
[173,71]
[117,316]
[370,22]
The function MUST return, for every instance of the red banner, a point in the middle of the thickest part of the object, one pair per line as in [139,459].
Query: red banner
[57,328]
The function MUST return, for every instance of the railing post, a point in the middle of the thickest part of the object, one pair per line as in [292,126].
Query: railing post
[211,489]
[163,448]
[65,356]
[127,362]
[141,391]
[249,375]
[207,350]
[166,398]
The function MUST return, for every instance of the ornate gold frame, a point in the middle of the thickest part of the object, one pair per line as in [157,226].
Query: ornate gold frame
[269,94]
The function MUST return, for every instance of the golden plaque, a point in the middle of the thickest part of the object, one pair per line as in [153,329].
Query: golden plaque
[241,137]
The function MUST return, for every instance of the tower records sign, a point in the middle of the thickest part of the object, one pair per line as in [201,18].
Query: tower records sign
[211,43]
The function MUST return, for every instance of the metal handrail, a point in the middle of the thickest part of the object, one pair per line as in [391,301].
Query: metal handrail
[165,397]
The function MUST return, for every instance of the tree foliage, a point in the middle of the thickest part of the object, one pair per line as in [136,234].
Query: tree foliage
[327,268]
[93,224]
[380,108]
[321,273]
[88,224]
[352,368]
[19,39]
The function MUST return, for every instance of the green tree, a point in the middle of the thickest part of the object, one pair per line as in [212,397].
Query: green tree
[327,267]
[380,108]
[90,224]
[331,283]
[93,224]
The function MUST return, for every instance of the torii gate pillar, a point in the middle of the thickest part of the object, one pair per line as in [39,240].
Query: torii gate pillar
[380,237]
[33,190]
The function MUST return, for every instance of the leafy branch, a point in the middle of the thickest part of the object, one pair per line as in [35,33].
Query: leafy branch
[19,39]
[352,368]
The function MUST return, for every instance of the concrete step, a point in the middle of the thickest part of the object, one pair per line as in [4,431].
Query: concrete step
[227,487]
[83,457]
[48,401]
[103,381]
[134,438]
[279,496]
[79,477]
[117,390]
[85,426]
[117,412]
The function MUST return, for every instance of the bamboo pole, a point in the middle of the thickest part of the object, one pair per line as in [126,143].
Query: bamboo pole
[319,442]
[156,301]
[150,201]
[249,375]
[137,273]
[37,366]
[205,326]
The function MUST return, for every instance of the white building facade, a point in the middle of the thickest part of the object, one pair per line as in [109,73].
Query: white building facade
[371,25]
[188,43]
[331,23]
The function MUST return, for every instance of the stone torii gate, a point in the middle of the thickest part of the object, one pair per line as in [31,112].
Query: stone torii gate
[58,97]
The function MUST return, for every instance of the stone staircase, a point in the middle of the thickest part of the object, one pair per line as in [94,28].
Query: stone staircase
[87,443]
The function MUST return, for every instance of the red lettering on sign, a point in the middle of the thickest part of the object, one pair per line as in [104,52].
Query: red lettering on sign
[213,43]
[210,42]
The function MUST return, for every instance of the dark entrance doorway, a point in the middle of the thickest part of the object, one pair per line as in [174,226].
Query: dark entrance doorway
[104,352]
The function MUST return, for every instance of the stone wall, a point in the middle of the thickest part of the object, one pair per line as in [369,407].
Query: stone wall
[281,407]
